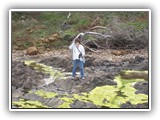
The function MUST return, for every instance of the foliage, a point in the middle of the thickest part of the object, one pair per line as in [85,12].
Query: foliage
[123,22]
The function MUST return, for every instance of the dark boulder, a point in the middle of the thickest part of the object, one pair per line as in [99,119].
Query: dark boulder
[57,62]
[141,87]
[129,105]
[81,104]
[25,77]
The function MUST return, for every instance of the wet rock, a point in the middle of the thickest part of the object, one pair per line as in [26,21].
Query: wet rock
[25,77]
[54,102]
[139,63]
[141,87]
[18,93]
[101,81]
[129,105]
[57,62]
[139,59]
[81,104]
[144,65]
[134,75]
[32,50]
[89,61]
[33,97]
[13,89]
[14,106]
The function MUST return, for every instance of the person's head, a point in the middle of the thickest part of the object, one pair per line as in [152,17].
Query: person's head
[77,42]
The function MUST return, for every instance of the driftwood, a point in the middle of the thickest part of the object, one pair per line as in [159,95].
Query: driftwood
[81,35]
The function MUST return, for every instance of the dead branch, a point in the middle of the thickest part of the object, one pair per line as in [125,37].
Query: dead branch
[69,15]
[94,21]
[80,34]
[90,48]
[96,44]
[95,33]
[92,33]
[98,27]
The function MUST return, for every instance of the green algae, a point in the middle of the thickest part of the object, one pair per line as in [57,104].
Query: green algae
[44,69]
[28,104]
[67,102]
[110,96]
[103,96]
[44,94]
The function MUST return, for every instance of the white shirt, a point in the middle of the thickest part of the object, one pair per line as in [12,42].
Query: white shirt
[75,50]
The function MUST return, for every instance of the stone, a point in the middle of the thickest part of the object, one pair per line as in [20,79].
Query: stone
[33,97]
[25,77]
[141,87]
[89,61]
[54,102]
[32,50]
[129,105]
[134,75]
[138,59]
[81,104]
[17,93]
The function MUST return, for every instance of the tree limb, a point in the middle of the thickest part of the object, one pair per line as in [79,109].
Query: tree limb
[95,33]
[97,27]
[90,48]
[94,21]
[69,15]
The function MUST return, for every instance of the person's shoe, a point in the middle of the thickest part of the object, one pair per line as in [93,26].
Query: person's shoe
[72,78]
[83,78]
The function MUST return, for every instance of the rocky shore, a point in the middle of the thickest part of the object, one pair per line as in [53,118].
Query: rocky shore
[44,82]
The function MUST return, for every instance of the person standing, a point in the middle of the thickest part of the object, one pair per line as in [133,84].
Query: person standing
[78,57]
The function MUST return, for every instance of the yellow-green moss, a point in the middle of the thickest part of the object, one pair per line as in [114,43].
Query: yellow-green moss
[45,69]
[108,96]
[67,102]
[114,96]
[29,104]
[44,94]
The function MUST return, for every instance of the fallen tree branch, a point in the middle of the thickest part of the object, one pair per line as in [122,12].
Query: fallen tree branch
[90,48]
[68,16]
[96,44]
[92,33]
[94,21]
[98,27]
[95,33]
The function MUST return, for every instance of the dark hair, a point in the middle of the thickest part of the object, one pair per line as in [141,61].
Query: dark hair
[78,41]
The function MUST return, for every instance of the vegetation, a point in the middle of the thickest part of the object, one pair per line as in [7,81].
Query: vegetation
[29,104]
[32,28]
[45,69]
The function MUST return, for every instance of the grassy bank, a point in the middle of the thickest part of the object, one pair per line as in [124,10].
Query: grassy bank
[38,28]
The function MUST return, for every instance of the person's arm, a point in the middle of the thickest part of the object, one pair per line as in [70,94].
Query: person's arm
[71,46]
[83,51]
